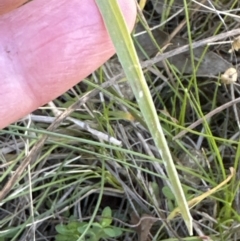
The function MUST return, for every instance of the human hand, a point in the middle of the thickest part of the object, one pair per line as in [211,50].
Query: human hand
[46,47]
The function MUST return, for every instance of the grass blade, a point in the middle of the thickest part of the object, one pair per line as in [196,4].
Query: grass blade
[122,41]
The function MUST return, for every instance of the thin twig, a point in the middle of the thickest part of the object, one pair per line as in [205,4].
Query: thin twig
[209,115]
[185,48]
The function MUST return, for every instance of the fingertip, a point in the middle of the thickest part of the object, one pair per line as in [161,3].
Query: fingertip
[62,49]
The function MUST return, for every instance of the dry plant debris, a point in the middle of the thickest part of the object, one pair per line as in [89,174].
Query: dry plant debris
[235,45]
[211,64]
[230,76]
[144,224]
[193,202]
[73,172]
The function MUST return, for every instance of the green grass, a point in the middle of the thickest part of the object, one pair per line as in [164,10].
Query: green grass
[76,173]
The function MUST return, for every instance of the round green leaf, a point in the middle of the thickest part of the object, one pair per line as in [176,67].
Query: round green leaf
[62,229]
[110,232]
[106,217]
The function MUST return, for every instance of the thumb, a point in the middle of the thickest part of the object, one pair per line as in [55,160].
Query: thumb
[46,47]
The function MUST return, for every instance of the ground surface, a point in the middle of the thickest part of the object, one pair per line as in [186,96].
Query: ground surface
[79,170]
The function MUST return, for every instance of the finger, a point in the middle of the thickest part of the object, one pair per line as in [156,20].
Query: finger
[46,47]
[8,5]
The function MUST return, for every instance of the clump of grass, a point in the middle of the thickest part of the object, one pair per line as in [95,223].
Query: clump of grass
[103,154]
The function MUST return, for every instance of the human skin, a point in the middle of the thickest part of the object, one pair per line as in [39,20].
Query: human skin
[48,46]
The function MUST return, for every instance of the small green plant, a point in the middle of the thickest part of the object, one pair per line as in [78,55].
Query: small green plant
[98,230]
